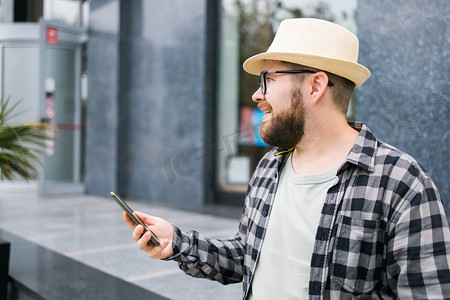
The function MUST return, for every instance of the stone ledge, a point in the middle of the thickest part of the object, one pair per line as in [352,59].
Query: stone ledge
[39,273]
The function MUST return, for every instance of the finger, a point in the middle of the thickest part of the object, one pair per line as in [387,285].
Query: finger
[164,250]
[129,221]
[137,232]
[167,249]
[144,242]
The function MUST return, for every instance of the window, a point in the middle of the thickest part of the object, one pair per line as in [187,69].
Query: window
[70,12]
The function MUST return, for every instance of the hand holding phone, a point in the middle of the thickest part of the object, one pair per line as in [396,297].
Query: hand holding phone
[154,239]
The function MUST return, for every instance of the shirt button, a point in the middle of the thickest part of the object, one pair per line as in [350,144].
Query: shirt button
[264,213]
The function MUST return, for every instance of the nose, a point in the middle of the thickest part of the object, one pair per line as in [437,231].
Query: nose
[258,96]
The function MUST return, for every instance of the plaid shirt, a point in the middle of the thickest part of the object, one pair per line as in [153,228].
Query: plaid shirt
[382,234]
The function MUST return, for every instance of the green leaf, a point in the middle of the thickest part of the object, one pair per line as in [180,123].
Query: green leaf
[22,146]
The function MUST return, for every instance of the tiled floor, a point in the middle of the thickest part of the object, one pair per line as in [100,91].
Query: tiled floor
[90,229]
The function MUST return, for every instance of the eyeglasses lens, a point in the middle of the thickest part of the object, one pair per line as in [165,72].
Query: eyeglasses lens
[262,82]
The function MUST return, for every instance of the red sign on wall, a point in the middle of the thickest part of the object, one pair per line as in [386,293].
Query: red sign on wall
[52,36]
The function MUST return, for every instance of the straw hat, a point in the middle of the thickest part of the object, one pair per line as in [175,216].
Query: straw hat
[315,43]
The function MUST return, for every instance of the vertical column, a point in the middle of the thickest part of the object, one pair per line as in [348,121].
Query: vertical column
[151,96]
[102,107]
[162,100]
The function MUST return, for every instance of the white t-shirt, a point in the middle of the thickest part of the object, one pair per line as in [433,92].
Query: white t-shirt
[283,268]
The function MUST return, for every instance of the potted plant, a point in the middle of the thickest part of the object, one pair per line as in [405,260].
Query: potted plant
[21,150]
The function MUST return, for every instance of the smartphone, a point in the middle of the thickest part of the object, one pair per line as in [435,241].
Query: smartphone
[154,239]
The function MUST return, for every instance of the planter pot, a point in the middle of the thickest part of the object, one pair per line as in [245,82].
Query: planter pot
[5,248]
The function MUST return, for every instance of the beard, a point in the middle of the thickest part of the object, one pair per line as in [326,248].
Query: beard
[286,128]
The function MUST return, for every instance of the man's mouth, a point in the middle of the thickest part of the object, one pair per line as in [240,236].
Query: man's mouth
[267,113]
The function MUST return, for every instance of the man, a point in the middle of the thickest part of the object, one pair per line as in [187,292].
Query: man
[331,212]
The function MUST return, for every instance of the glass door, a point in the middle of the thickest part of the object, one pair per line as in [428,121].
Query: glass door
[60,105]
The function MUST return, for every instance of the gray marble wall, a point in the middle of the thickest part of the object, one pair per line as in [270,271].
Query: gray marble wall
[148,82]
[6,11]
[406,45]
[102,107]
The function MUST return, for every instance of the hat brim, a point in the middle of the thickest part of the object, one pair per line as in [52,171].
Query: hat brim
[348,69]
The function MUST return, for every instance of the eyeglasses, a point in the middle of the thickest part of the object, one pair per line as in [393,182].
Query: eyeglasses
[262,77]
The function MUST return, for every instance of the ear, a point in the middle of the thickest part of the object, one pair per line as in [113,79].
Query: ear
[319,83]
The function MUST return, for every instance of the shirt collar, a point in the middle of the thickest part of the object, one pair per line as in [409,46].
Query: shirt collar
[362,153]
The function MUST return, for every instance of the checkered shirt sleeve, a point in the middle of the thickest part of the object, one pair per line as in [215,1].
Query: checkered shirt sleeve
[200,257]
[418,238]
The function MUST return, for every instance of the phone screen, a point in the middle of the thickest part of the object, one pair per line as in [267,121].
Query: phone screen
[154,239]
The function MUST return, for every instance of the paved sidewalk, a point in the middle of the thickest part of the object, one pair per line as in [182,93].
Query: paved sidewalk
[90,229]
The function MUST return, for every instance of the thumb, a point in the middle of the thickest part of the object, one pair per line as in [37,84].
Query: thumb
[167,249]
[147,219]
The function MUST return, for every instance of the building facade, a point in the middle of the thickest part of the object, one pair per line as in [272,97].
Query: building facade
[167,104]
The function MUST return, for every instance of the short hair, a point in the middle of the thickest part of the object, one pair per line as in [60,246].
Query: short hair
[342,89]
